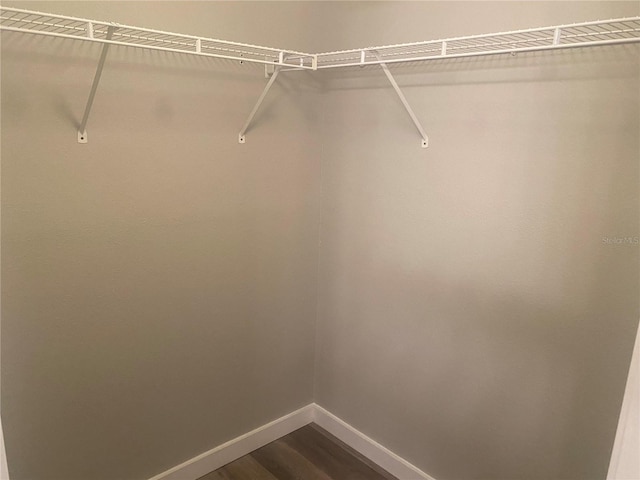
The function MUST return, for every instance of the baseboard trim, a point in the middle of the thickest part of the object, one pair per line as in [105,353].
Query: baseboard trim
[244,444]
[239,446]
[382,456]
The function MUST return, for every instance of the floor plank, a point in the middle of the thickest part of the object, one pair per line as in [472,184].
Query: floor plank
[337,462]
[309,453]
[381,471]
[287,464]
[245,468]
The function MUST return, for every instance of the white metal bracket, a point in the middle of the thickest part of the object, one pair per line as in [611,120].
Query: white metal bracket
[241,135]
[394,84]
[269,69]
[82,130]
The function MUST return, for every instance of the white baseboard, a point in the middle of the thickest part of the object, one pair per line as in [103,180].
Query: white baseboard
[238,447]
[244,444]
[392,463]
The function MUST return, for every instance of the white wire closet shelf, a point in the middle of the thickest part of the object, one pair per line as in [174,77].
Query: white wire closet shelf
[586,34]
[52,25]
[576,35]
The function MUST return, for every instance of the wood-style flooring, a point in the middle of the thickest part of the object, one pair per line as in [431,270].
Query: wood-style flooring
[310,453]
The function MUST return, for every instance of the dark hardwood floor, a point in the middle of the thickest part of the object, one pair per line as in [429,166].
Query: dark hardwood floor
[310,453]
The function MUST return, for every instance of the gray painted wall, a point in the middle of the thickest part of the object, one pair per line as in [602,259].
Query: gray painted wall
[159,283]
[471,318]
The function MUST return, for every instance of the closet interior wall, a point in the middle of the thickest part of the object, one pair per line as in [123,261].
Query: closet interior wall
[162,286]
[158,283]
[472,317]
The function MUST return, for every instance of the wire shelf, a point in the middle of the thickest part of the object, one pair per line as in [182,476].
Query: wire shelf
[27,21]
[606,32]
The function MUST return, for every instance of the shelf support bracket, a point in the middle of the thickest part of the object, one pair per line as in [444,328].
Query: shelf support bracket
[82,130]
[394,84]
[241,135]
